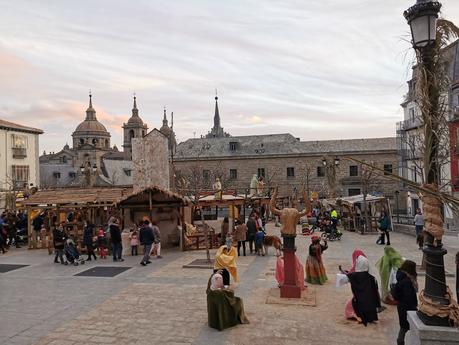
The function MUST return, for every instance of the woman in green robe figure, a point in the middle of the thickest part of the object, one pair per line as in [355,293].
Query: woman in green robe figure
[224,310]
[390,262]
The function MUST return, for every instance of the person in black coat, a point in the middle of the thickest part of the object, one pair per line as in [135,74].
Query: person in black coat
[146,237]
[88,237]
[115,235]
[59,238]
[404,292]
[364,286]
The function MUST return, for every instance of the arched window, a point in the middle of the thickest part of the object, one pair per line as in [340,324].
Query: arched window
[131,135]
[81,141]
[94,141]
[64,159]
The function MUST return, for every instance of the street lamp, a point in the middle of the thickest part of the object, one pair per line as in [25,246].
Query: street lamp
[422,18]
[336,161]
[82,168]
[94,168]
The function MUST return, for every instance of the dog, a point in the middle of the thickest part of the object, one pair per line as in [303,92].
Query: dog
[273,241]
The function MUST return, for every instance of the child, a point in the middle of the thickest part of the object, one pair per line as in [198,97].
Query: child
[259,238]
[134,242]
[101,244]
[404,292]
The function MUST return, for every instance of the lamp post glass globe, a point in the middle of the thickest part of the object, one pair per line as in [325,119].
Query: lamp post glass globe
[336,161]
[324,162]
[82,168]
[422,18]
[94,168]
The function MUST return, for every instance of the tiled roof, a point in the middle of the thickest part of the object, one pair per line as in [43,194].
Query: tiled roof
[276,144]
[10,125]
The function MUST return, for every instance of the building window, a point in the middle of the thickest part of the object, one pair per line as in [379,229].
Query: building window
[353,170]
[233,174]
[353,191]
[72,174]
[57,174]
[19,145]
[290,172]
[320,171]
[414,173]
[233,145]
[261,172]
[412,114]
[387,169]
[127,172]
[20,175]
[206,175]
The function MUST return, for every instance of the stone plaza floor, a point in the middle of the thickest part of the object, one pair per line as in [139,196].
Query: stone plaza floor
[45,303]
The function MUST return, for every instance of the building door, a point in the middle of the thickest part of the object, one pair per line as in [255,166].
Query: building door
[414,206]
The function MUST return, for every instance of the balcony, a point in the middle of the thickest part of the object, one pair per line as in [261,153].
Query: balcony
[406,125]
[19,153]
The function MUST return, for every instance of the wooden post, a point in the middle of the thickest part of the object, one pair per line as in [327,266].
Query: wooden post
[150,204]
[29,228]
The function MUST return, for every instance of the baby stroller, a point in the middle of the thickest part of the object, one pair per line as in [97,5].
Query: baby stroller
[71,253]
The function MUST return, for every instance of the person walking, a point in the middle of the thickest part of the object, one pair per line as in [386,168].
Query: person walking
[147,238]
[115,235]
[240,235]
[88,237]
[59,238]
[384,227]
[404,292]
[419,225]
[251,232]
[157,240]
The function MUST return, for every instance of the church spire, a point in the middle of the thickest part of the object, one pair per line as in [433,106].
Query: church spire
[217,114]
[90,112]
[217,130]
[165,118]
[135,111]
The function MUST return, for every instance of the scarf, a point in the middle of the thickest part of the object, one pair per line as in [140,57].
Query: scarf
[355,255]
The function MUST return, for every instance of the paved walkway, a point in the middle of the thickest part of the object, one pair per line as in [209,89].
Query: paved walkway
[163,303]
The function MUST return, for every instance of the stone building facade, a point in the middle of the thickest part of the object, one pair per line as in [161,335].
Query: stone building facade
[91,161]
[285,161]
[150,156]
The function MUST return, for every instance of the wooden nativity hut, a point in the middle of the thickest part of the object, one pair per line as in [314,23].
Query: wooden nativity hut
[159,205]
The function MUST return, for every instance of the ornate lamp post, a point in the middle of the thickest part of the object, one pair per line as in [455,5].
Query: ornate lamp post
[422,18]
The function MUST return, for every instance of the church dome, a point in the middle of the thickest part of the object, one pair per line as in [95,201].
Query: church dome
[135,119]
[90,126]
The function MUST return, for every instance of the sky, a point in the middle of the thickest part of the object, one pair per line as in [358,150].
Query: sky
[328,69]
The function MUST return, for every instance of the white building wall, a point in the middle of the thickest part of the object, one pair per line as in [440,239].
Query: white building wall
[7,160]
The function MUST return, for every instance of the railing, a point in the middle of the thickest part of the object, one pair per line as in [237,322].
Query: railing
[19,152]
[402,219]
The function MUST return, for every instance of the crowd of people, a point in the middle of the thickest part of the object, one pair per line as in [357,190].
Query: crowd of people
[97,239]
[12,224]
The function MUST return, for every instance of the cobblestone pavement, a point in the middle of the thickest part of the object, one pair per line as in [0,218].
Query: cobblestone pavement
[164,303]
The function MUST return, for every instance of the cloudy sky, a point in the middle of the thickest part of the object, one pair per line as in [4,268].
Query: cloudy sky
[317,69]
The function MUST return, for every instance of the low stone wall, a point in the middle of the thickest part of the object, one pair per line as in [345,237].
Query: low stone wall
[405,229]
[410,230]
